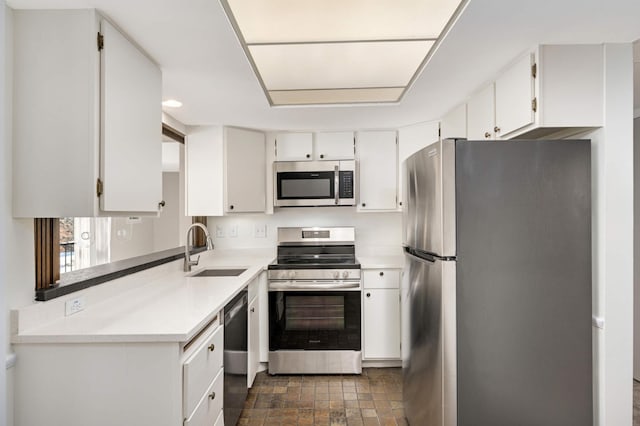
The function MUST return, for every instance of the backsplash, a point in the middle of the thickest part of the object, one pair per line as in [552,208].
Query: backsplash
[376,233]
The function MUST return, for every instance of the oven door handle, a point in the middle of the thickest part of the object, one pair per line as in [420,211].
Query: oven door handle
[313,285]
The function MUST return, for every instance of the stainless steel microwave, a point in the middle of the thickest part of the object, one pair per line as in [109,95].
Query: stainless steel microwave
[314,183]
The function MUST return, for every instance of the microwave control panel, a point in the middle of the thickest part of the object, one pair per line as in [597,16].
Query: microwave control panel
[346,184]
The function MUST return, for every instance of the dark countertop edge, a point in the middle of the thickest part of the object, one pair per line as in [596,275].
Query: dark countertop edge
[95,275]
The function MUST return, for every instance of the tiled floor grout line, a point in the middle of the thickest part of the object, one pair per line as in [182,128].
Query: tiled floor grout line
[373,398]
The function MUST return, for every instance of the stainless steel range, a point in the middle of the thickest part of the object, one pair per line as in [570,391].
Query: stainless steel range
[314,303]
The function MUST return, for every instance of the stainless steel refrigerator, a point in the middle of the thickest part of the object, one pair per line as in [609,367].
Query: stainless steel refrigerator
[497,284]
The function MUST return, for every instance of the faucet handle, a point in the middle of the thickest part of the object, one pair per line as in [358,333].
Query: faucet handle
[194,262]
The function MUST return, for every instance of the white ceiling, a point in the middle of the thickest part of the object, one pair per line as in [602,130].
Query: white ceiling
[204,66]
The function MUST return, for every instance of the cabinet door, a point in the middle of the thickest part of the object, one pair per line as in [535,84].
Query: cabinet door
[454,123]
[294,146]
[334,146]
[253,345]
[131,132]
[378,165]
[481,114]
[381,323]
[514,94]
[204,171]
[412,139]
[245,171]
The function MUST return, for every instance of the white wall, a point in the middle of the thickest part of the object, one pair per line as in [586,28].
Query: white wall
[636,247]
[375,232]
[612,159]
[3,221]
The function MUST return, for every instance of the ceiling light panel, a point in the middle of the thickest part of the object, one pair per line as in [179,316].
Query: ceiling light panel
[338,65]
[269,21]
[339,51]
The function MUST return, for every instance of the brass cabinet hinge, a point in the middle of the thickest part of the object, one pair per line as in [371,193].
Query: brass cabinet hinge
[534,70]
[99,187]
[534,104]
[100,42]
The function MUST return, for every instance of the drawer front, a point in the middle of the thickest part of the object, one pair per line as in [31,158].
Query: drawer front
[200,369]
[209,407]
[381,278]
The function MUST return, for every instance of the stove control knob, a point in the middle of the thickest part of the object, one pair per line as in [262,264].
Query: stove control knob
[345,274]
[336,274]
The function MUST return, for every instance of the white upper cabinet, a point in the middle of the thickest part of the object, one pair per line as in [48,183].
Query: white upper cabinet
[454,123]
[549,89]
[245,170]
[131,114]
[481,114]
[412,139]
[315,146]
[225,171]
[334,146]
[294,146]
[515,96]
[87,138]
[377,153]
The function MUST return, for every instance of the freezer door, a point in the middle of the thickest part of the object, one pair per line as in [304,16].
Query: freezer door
[430,213]
[428,330]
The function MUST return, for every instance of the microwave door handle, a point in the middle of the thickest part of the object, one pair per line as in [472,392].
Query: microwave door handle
[336,182]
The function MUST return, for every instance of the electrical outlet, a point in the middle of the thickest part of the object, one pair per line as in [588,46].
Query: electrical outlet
[74,306]
[260,231]
[233,231]
[219,231]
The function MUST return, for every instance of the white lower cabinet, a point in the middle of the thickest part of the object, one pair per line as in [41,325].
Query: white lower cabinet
[209,407]
[253,335]
[381,314]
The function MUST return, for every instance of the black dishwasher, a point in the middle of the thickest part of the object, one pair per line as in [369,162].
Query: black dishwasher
[235,358]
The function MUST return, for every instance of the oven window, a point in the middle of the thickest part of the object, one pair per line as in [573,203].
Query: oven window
[322,320]
[315,312]
[305,185]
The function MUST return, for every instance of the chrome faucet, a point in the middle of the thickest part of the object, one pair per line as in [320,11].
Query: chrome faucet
[188,263]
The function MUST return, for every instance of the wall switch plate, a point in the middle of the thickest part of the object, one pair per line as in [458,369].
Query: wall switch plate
[74,306]
[233,231]
[260,231]
[219,231]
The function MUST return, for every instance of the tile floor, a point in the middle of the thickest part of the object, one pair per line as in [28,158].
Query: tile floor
[373,398]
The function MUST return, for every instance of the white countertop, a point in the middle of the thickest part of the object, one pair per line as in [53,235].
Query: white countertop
[171,306]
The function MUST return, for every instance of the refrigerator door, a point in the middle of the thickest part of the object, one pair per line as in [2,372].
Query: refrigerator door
[429,365]
[524,297]
[430,213]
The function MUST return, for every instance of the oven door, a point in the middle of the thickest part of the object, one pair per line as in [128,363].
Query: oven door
[314,320]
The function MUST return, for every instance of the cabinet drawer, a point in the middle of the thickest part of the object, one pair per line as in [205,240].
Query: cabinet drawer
[209,406]
[381,278]
[200,369]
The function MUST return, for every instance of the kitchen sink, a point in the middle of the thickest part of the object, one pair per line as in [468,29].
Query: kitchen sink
[219,273]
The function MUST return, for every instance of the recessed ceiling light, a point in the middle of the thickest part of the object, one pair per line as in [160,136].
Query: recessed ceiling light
[339,51]
[172,103]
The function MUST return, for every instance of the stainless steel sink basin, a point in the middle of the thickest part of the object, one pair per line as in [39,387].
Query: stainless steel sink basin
[219,273]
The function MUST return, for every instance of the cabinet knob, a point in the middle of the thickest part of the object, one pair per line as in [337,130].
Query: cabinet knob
[368,294]
[161,204]
[308,155]
[231,207]
[321,155]
[364,204]
[487,135]
[496,129]
[212,347]
[400,203]
[253,310]
[212,395]
[381,273]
